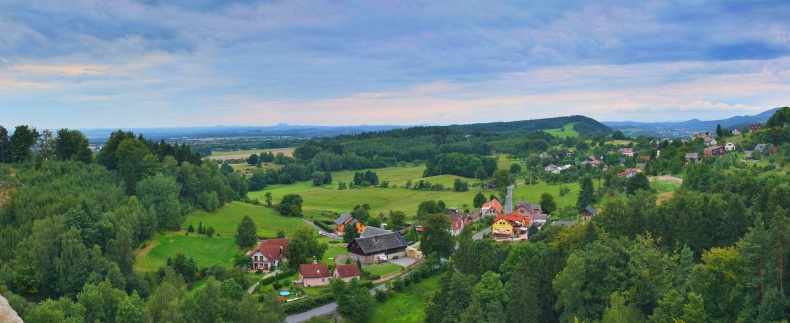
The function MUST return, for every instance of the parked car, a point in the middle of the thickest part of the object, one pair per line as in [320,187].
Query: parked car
[410,243]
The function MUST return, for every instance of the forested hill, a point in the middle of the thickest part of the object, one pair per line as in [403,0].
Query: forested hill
[584,125]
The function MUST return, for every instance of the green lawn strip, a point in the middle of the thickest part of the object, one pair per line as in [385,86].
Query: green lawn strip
[565,131]
[382,269]
[406,306]
[226,220]
[335,249]
[204,250]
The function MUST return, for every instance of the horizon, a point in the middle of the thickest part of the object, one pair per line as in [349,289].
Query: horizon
[182,64]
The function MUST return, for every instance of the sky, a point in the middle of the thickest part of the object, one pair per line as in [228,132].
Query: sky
[173,63]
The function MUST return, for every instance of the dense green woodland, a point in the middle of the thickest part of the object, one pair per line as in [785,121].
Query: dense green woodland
[712,252]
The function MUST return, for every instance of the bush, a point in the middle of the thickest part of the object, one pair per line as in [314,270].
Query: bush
[269,280]
[276,285]
[381,296]
[286,283]
[323,226]
[307,304]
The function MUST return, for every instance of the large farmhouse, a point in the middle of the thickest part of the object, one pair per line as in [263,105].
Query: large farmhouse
[268,254]
[377,248]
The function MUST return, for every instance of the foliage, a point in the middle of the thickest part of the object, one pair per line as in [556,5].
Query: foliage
[353,300]
[291,205]
[436,236]
[304,247]
[247,233]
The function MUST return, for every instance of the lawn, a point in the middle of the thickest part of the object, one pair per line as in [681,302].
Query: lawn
[565,131]
[334,250]
[531,193]
[382,269]
[204,250]
[407,306]
[226,220]
[664,186]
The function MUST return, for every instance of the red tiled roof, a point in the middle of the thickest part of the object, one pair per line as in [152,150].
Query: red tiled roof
[272,249]
[314,270]
[494,204]
[513,217]
[350,270]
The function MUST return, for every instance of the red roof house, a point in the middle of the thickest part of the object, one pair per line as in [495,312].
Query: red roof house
[314,274]
[491,208]
[268,254]
[347,272]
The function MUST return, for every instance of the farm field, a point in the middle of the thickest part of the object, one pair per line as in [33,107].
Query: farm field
[225,155]
[408,305]
[204,250]
[226,220]
[565,131]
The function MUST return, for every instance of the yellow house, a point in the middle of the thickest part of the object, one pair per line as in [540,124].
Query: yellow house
[505,225]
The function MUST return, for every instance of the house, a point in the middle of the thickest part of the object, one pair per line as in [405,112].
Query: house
[507,225]
[346,272]
[373,231]
[729,146]
[755,127]
[540,219]
[640,167]
[714,151]
[587,213]
[710,141]
[377,248]
[629,172]
[491,208]
[347,220]
[268,254]
[765,149]
[736,132]
[314,275]
[692,157]
[626,151]
[526,208]
[458,220]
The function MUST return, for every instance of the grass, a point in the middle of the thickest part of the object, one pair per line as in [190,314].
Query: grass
[226,220]
[285,151]
[204,250]
[531,193]
[334,250]
[565,131]
[664,186]
[407,306]
[382,269]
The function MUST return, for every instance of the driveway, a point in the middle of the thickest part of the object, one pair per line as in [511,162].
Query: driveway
[327,234]
[403,261]
[481,234]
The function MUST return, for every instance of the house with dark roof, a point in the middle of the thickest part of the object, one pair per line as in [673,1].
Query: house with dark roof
[346,272]
[348,221]
[587,213]
[268,254]
[692,157]
[373,231]
[314,275]
[377,248]
[714,151]
[755,127]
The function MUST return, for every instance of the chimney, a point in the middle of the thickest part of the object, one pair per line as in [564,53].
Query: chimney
[509,200]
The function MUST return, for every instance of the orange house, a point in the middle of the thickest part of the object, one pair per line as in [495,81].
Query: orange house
[347,220]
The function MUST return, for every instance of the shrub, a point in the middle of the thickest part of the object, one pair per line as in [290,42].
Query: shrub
[306,304]
[381,296]
[277,285]
[270,279]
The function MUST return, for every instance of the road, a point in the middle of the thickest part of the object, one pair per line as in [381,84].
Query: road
[328,234]
[323,310]
[481,234]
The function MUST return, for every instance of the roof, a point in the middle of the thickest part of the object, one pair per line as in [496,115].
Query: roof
[590,209]
[513,217]
[759,147]
[494,204]
[350,270]
[343,218]
[692,155]
[373,231]
[374,244]
[272,249]
[456,217]
[314,270]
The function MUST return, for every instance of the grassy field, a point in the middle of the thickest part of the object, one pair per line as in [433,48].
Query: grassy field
[565,131]
[407,306]
[285,151]
[226,220]
[664,186]
[205,251]
[531,193]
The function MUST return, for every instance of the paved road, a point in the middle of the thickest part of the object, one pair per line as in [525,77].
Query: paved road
[481,234]
[323,310]
[328,234]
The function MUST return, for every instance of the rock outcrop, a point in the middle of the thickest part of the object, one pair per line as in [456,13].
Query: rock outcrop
[7,314]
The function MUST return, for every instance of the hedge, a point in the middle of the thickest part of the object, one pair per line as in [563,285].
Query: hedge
[307,304]
[324,226]
[270,279]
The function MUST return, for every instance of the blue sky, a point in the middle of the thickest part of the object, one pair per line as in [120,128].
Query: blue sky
[156,63]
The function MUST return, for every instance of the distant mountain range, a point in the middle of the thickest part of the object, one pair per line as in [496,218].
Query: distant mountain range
[687,128]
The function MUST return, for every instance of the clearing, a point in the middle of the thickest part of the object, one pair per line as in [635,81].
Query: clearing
[239,154]
[565,131]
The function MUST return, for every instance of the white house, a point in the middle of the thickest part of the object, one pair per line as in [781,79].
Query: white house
[729,146]
[268,254]
[736,132]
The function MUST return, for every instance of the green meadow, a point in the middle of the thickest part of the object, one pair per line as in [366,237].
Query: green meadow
[204,250]
[565,131]
[407,306]
[226,220]
[286,151]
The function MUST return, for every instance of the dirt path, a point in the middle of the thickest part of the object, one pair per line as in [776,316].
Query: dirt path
[668,178]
